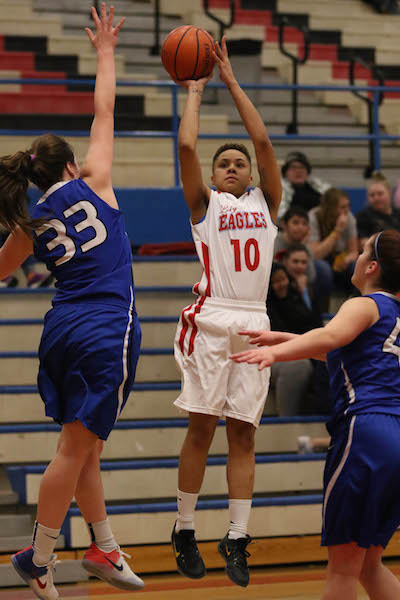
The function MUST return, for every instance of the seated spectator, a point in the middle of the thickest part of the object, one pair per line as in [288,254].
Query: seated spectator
[379,214]
[288,312]
[296,259]
[298,187]
[295,230]
[333,242]
[388,7]
[33,277]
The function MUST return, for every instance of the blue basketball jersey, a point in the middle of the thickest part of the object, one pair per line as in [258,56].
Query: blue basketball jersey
[84,244]
[365,374]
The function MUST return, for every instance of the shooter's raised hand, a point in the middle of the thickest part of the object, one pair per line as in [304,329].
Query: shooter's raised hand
[223,62]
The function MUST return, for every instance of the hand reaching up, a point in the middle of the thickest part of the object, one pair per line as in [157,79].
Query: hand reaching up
[106,34]
[223,63]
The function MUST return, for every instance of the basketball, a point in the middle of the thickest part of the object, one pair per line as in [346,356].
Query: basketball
[186,53]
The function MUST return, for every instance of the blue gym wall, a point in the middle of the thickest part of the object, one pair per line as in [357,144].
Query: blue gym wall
[159,215]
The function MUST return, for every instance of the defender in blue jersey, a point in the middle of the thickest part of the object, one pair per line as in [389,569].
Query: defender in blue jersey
[361,507]
[91,337]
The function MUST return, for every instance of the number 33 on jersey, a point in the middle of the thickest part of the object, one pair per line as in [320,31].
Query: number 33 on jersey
[235,244]
[83,243]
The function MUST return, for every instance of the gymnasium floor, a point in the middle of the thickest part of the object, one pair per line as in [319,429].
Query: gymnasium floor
[302,583]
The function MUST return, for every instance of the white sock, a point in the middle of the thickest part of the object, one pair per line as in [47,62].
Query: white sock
[44,541]
[186,505]
[239,514]
[102,536]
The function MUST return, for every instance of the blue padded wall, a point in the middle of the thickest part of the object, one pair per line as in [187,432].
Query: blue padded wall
[159,215]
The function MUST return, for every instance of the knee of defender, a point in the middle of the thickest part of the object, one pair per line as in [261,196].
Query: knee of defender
[80,452]
[369,570]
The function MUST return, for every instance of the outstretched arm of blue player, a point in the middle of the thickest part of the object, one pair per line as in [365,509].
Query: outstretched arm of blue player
[355,316]
[97,166]
[14,252]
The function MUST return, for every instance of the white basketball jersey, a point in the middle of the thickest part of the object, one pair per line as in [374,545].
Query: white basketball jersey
[235,245]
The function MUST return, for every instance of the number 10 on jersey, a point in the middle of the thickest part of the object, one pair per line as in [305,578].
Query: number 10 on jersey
[251,254]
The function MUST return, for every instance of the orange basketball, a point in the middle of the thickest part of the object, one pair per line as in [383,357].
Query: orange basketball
[186,53]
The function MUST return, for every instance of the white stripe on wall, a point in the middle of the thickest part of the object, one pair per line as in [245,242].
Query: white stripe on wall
[125,358]
[339,468]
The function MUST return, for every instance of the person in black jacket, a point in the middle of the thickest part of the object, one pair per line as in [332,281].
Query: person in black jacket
[292,380]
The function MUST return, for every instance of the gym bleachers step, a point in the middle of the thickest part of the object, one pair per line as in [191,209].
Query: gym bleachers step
[67,571]
[55,101]
[151,438]
[22,404]
[152,300]
[79,122]
[15,525]
[15,543]
[152,522]
[24,334]
[155,364]
[125,7]
[7,496]
[156,478]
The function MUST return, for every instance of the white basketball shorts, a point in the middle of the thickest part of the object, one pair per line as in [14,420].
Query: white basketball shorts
[213,384]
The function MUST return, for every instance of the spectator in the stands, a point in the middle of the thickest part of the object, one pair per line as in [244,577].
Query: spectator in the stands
[296,258]
[389,7]
[295,230]
[379,214]
[334,241]
[299,187]
[34,278]
[292,381]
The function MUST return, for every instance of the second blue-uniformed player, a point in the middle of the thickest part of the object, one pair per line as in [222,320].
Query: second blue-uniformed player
[361,508]
[91,337]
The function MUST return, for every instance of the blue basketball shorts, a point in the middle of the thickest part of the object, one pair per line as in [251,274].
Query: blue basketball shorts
[88,356]
[362,482]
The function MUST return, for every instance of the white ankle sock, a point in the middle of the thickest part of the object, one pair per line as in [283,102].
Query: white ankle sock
[186,505]
[44,541]
[102,536]
[239,514]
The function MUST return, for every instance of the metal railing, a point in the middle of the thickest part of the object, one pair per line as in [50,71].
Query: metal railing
[372,106]
[296,61]
[376,137]
[221,23]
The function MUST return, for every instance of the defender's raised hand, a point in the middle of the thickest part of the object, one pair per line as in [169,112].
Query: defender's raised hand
[106,34]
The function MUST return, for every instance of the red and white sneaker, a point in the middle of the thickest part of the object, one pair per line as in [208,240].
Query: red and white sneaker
[112,568]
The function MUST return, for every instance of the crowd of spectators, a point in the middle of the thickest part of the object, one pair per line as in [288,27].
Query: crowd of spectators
[316,248]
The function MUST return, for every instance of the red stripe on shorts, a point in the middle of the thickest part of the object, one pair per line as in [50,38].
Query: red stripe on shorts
[192,318]
[185,326]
